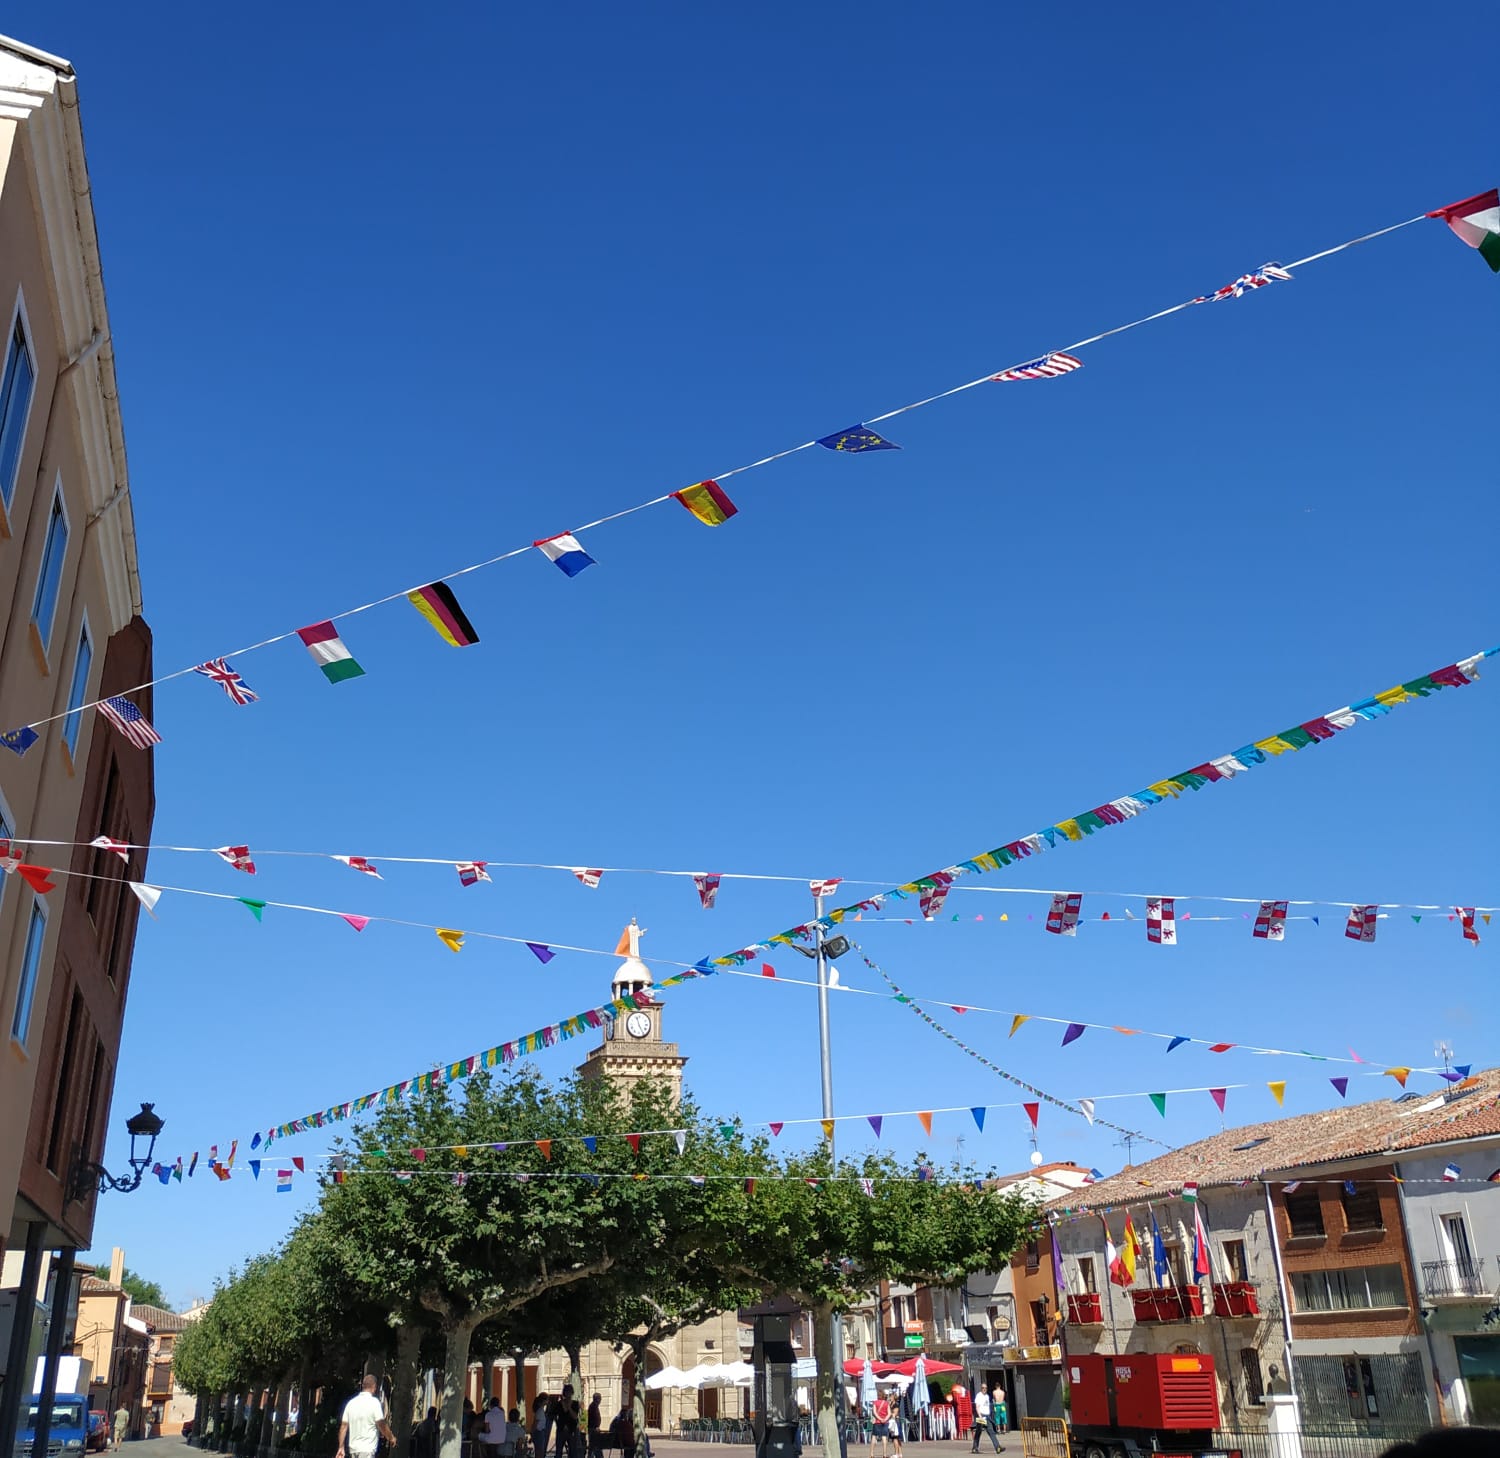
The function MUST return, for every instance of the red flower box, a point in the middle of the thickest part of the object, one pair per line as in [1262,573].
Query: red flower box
[1086,1309]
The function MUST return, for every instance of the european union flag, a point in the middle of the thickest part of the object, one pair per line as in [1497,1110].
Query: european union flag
[20,739]
[857,438]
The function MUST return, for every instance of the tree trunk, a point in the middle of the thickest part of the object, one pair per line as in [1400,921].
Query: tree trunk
[456,1338]
[830,1374]
[404,1381]
[574,1354]
[520,1401]
[283,1402]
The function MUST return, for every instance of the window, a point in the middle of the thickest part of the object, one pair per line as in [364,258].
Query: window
[1177,1264]
[78,690]
[1304,1211]
[1359,1383]
[49,578]
[17,386]
[1352,1288]
[56,1149]
[1361,1207]
[1255,1387]
[31,966]
[1033,1257]
[1235,1268]
[1039,1323]
[1086,1273]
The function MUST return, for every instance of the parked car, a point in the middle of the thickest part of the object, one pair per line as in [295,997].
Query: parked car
[97,1440]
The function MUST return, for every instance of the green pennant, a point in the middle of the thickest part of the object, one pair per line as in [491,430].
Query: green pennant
[727,1130]
[1160,1100]
[1416,918]
[255,907]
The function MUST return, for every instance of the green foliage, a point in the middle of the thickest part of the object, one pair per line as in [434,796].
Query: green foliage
[144,1292]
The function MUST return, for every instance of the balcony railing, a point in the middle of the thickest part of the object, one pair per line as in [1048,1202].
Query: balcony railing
[1454,1280]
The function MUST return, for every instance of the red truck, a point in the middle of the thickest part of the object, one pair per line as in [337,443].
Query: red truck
[1143,1403]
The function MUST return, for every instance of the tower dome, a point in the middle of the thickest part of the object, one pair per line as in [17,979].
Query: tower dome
[632,975]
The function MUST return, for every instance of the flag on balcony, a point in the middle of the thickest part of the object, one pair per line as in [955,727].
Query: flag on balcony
[1200,1244]
[1158,1253]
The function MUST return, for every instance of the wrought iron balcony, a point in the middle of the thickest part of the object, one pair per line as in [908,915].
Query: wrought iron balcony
[1455,1280]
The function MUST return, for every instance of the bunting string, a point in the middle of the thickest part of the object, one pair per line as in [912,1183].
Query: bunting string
[704,499]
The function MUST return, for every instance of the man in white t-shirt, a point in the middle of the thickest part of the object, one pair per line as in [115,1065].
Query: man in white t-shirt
[492,1434]
[363,1424]
[981,1415]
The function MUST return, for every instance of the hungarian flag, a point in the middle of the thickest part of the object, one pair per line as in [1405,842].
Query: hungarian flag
[1477,221]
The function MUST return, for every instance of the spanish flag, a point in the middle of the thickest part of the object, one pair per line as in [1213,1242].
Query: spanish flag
[438,605]
[707,502]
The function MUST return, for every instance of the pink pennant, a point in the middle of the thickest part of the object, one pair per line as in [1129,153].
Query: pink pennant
[1218,1094]
[777,1128]
[359,923]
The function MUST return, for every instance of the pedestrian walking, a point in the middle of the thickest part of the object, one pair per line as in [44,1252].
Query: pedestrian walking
[122,1421]
[425,1440]
[363,1424]
[880,1424]
[981,1416]
[541,1423]
[565,1421]
[596,1427]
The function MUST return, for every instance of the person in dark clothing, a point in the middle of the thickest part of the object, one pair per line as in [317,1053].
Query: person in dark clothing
[425,1439]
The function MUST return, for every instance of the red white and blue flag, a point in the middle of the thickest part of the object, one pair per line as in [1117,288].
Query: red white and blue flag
[1246,282]
[1062,918]
[1361,924]
[470,873]
[1270,921]
[129,720]
[219,672]
[1048,367]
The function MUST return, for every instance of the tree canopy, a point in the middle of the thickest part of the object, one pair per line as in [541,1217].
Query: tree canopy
[509,1212]
[142,1291]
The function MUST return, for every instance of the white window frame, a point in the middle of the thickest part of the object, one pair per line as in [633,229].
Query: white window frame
[72,725]
[60,501]
[19,315]
[26,987]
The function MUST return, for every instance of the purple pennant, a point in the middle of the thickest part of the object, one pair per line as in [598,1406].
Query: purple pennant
[544,954]
[1341,1084]
[875,1122]
[1075,1031]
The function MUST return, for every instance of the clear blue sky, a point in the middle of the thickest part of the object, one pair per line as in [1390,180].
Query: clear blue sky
[395,292]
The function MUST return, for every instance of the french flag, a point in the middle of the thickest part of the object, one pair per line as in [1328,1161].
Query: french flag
[566,551]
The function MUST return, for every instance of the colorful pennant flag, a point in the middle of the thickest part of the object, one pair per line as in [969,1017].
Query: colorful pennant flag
[545,1145]
[1178,1041]
[1190,1190]
[283,1182]
[129,720]
[1278,1091]
[358,922]
[255,908]
[1466,924]
[566,552]
[925,1120]
[19,740]
[1267,273]
[438,605]
[38,878]
[708,502]
[876,1120]
[1048,367]
[1451,1172]
[1062,918]
[238,856]
[1073,1032]
[1399,1074]
[1341,1086]
[119,847]
[471,873]
[827,1125]
[1016,1022]
[1476,220]
[825,888]
[1200,1245]
[1361,924]
[634,1141]
[857,438]
[1270,921]
[1159,1100]
[1086,1107]
[588,876]
[1161,920]
[542,952]
[359,863]
[1033,1112]
[707,884]
[453,940]
[218,671]
[931,900]
[978,1112]
[329,653]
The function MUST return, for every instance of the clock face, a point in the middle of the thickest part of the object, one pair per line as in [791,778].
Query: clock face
[638,1025]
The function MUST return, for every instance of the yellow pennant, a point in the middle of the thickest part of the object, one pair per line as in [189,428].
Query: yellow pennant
[827,1128]
[453,940]
[1016,1022]
[1278,1090]
[1399,1074]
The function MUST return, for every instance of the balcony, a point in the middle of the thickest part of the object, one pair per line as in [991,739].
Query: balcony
[1085,1309]
[1461,1280]
[1168,1303]
[1236,1299]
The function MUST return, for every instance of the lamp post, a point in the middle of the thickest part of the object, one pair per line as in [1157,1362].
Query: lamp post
[86,1174]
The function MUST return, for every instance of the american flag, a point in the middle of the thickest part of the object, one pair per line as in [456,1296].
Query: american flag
[227,679]
[129,720]
[1048,367]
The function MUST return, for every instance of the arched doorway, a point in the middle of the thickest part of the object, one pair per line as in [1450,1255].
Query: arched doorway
[654,1364]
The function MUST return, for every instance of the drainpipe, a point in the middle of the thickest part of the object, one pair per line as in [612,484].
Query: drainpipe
[1281,1285]
[1411,1263]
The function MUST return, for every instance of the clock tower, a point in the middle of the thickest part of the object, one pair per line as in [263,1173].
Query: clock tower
[633,1049]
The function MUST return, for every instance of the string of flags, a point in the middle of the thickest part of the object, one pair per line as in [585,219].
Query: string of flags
[1473,220]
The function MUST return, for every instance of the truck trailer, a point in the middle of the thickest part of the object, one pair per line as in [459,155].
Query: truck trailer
[1140,1403]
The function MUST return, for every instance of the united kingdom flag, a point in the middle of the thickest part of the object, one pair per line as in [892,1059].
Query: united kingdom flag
[219,671]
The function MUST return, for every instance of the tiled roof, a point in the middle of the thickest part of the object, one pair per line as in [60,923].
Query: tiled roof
[1381,1127]
[93,1286]
[160,1320]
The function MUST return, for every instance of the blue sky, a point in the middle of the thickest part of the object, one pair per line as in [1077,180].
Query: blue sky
[392,297]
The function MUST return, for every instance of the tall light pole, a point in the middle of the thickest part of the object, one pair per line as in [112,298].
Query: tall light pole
[825,1048]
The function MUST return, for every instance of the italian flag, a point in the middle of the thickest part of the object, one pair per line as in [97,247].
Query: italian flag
[1477,221]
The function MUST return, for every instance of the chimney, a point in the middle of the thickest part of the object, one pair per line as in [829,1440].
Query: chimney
[116,1266]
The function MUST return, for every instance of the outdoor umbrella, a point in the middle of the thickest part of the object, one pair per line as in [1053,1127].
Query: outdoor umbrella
[920,1397]
[866,1384]
[932,1368]
[667,1377]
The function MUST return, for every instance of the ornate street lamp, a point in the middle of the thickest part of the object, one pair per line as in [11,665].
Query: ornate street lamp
[85,1173]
